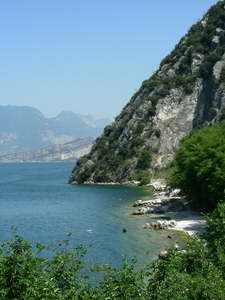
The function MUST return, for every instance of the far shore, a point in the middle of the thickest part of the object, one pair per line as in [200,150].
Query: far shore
[130,183]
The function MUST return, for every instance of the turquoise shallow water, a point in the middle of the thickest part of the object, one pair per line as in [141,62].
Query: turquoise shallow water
[38,201]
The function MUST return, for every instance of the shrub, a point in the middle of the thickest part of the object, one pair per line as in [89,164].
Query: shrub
[141,175]
[186,275]
[145,180]
[144,160]
[215,234]
[179,80]
[85,174]
[185,63]
[140,126]
[208,63]
[157,132]
[136,142]
[108,129]
[163,91]
[100,176]
[26,275]
[117,132]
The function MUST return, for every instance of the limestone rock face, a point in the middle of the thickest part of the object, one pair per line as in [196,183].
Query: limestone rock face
[186,92]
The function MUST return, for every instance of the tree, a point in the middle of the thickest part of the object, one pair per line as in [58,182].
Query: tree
[199,167]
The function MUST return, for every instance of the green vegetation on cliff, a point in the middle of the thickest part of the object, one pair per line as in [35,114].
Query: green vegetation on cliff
[186,92]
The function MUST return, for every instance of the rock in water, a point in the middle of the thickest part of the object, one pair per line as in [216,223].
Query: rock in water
[187,91]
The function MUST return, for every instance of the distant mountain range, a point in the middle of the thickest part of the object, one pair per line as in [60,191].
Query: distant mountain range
[66,152]
[24,128]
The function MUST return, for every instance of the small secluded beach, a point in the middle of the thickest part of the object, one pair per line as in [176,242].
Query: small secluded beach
[189,222]
[169,210]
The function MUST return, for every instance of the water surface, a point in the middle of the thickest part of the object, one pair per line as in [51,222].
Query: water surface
[37,200]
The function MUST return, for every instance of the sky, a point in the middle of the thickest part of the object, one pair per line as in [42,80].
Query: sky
[86,56]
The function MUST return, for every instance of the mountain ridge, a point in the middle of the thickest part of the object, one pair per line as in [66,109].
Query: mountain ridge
[24,128]
[186,92]
[70,151]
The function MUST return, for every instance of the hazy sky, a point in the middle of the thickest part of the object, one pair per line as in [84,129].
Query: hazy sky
[88,56]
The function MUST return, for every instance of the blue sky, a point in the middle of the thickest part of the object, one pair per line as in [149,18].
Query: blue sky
[87,56]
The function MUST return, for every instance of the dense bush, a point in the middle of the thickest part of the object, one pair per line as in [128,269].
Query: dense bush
[195,272]
[82,160]
[144,160]
[186,274]
[143,176]
[140,126]
[108,129]
[26,275]
[199,165]
[208,63]
[215,235]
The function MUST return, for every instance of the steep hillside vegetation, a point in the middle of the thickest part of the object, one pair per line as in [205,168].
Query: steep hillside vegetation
[186,92]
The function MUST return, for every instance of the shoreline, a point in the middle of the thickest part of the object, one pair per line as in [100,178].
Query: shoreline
[181,218]
[190,222]
[169,210]
[127,183]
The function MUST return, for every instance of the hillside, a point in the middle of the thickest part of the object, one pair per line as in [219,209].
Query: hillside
[186,92]
[69,151]
[25,128]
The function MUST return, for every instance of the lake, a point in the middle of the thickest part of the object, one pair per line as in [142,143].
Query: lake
[36,198]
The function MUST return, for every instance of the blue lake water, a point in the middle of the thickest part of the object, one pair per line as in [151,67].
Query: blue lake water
[37,200]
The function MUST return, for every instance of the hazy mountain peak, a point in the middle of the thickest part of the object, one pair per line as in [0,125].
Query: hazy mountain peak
[20,109]
[66,114]
[24,128]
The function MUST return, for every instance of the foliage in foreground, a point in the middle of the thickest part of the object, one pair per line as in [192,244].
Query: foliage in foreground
[196,272]
[199,167]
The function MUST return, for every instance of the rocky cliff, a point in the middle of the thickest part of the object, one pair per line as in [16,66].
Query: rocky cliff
[186,92]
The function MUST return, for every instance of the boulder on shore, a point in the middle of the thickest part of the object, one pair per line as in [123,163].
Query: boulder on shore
[160,224]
